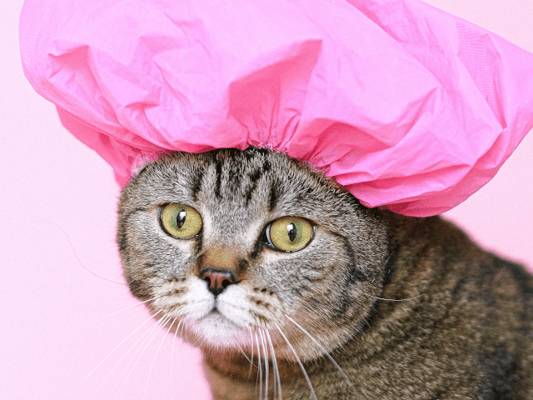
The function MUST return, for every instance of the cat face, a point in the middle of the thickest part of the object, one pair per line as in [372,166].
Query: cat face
[231,245]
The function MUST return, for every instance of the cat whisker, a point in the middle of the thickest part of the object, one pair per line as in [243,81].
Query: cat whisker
[389,257]
[369,259]
[122,310]
[271,358]
[313,395]
[384,299]
[147,339]
[76,255]
[156,353]
[199,342]
[252,360]
[119,361]
[89,374]
[260,367]
[323,349]
[175,338]
[267,364]
[150,336]
[243,353]
[275,363]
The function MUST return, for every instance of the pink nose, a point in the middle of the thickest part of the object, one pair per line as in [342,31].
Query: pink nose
[217,279]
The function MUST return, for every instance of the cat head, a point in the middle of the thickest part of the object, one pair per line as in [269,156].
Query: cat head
[227,245]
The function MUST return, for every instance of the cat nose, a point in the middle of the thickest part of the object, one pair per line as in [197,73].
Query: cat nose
[217,279]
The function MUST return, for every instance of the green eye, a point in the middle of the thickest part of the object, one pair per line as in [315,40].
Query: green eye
[181,221]
[290,233]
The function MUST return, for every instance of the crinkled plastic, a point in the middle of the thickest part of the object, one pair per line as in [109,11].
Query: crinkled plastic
[406,106]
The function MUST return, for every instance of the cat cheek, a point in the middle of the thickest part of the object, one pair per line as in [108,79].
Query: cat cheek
[238,316]
[235,309]
[247,310]
[198,301]
[189,299]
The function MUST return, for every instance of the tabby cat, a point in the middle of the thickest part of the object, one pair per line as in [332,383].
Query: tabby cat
[292,289]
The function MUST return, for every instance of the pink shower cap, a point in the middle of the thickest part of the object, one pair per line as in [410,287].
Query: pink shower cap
[406,106]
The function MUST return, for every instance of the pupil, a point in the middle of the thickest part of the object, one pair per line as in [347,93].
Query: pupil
[291,231]
[180,220]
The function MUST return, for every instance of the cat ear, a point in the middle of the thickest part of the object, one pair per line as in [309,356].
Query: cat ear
[141,162]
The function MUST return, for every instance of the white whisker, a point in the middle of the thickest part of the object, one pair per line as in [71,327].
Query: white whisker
[155,355]
[275,364]
[77,258]
[243,353]
[111,353]
[313,395]
[143,338]
[121,310]
[323,349]
[125,354]
[152,333]
[132,306]
[267,366]
[260,368]
[172,357]
[382,298]
[252,360]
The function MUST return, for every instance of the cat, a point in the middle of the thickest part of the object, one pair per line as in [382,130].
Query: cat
[292,289]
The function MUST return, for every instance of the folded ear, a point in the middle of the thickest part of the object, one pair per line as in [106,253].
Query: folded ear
[141,162]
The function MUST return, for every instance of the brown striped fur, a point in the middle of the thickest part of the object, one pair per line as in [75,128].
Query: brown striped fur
[409,308]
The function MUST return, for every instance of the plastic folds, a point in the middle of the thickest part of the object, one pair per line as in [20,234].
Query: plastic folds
[406,106]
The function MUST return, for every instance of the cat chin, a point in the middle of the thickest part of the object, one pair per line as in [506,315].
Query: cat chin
[215,330]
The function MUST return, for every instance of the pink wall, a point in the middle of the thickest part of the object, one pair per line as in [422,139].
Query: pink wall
[58,212]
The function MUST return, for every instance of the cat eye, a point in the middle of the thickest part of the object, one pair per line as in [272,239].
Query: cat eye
[181,221]
[289,233]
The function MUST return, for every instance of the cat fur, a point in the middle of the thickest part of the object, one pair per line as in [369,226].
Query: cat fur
[409,308]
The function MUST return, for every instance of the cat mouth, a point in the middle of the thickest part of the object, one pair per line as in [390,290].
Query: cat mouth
[217,329]
[219,319]
[218,316]
[215,313]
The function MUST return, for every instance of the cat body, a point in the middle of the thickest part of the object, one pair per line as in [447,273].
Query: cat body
[294,290]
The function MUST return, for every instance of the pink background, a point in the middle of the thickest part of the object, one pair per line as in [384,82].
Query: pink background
[60,322]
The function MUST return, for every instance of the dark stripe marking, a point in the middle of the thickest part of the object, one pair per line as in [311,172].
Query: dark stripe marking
[254,177]
[259,245]
[197,183]
[522,280]
[354,275]
[390,266]
[234,178]
[273,196]
[366,323]
[218,167]
[122,242]
[242,266]
[199,242]
[499,375]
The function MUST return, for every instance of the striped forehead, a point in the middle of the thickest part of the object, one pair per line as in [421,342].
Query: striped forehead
[230,184]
